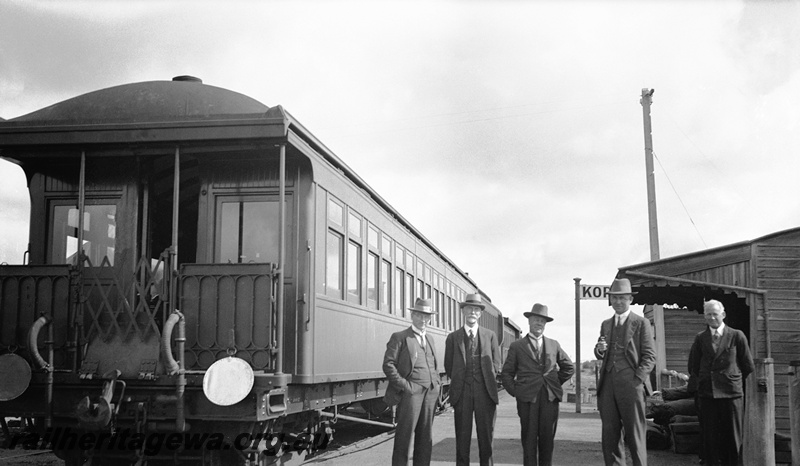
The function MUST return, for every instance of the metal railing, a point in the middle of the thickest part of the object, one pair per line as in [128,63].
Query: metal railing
[229,309]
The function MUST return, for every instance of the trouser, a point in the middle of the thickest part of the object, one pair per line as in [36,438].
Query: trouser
[474,401]
[538,421]
[415,417]
[621,405]
[721,430]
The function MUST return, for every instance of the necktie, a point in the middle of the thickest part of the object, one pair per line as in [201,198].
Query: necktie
[536,346]
[619,321]
[471,342]
[715,340]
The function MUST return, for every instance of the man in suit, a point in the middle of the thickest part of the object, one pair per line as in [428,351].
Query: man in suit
[412,369]
[628,352]
[719,361]
[472,361]
[533,373]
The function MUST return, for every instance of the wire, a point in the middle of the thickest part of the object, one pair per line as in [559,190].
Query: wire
[680,200]
[707,158]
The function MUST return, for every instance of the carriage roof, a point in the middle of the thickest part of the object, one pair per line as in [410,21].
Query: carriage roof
[183,110]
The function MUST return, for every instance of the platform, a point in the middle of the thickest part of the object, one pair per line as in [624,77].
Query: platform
[577,442]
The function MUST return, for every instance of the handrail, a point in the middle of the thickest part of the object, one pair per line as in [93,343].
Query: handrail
[166,348]
[33,341]
[174,367]
[33,347]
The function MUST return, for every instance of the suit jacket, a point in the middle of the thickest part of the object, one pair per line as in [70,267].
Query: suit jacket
[640,349]
[523,375]
[719,374]
[398,362]
[455,362]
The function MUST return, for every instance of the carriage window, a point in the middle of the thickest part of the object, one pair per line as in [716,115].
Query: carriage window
[450,312]
[372,281]
[386,247]
[442,310]
[333,265]
[398,291]
[353,272]
[354,225]
[247,231]
[435,298]
[386,284]
[409,292]
[385,278]
[335,213]
[99,233]
[372,237]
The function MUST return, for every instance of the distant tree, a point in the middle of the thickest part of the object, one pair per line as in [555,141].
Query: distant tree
[588,365]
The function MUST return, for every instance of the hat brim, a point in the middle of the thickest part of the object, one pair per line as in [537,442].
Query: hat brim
[529,314]
[482,306]
[421,311]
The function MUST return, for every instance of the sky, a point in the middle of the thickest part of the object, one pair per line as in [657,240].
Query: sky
[510,133]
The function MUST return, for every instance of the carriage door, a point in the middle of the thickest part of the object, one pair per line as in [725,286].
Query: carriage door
[228,296]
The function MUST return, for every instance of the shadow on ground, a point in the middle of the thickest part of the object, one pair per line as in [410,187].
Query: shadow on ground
[566,453]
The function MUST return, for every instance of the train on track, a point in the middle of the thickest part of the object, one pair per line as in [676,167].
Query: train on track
[199,262]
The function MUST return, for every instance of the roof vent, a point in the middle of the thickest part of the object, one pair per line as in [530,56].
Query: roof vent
[187,78]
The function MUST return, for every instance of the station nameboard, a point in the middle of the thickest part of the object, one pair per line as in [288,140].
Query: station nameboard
[594,291]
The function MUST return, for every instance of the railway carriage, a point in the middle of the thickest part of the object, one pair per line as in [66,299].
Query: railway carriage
[511,333]
[199,262]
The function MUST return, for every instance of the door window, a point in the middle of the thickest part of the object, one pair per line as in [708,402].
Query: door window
[99,233]
[247,231]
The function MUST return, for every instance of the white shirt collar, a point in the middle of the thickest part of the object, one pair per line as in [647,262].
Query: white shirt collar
[532,336]
[468,328]
[623,317]
[417,330]
[718,330]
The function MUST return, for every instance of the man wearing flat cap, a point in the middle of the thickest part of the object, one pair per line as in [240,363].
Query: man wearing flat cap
[628,352]
[412,369]
[472,361]
[535,369]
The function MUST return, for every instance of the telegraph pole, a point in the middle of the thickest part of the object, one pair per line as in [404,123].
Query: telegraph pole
[647,100]
[655,254]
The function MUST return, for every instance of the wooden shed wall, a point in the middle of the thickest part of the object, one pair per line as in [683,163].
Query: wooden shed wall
[680,327]
[777,270]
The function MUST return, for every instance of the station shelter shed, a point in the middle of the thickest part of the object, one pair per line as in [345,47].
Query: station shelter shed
[758,282]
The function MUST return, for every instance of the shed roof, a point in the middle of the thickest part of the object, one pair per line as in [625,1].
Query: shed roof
[721,273]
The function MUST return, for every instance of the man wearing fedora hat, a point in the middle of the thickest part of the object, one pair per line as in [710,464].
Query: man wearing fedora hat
[719,361]
[472,361]
[412,369]
[628,352]
[533,373]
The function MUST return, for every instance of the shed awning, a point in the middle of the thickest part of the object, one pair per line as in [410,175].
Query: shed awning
[685,295]
[683,292]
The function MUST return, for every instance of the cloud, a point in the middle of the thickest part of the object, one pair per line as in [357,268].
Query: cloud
[509,133]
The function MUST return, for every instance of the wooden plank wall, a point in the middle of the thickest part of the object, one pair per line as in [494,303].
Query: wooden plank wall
[777,270]
[680,327]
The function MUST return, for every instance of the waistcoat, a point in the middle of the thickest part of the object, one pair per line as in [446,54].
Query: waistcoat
[424,370]
[617,360]
[474,374]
